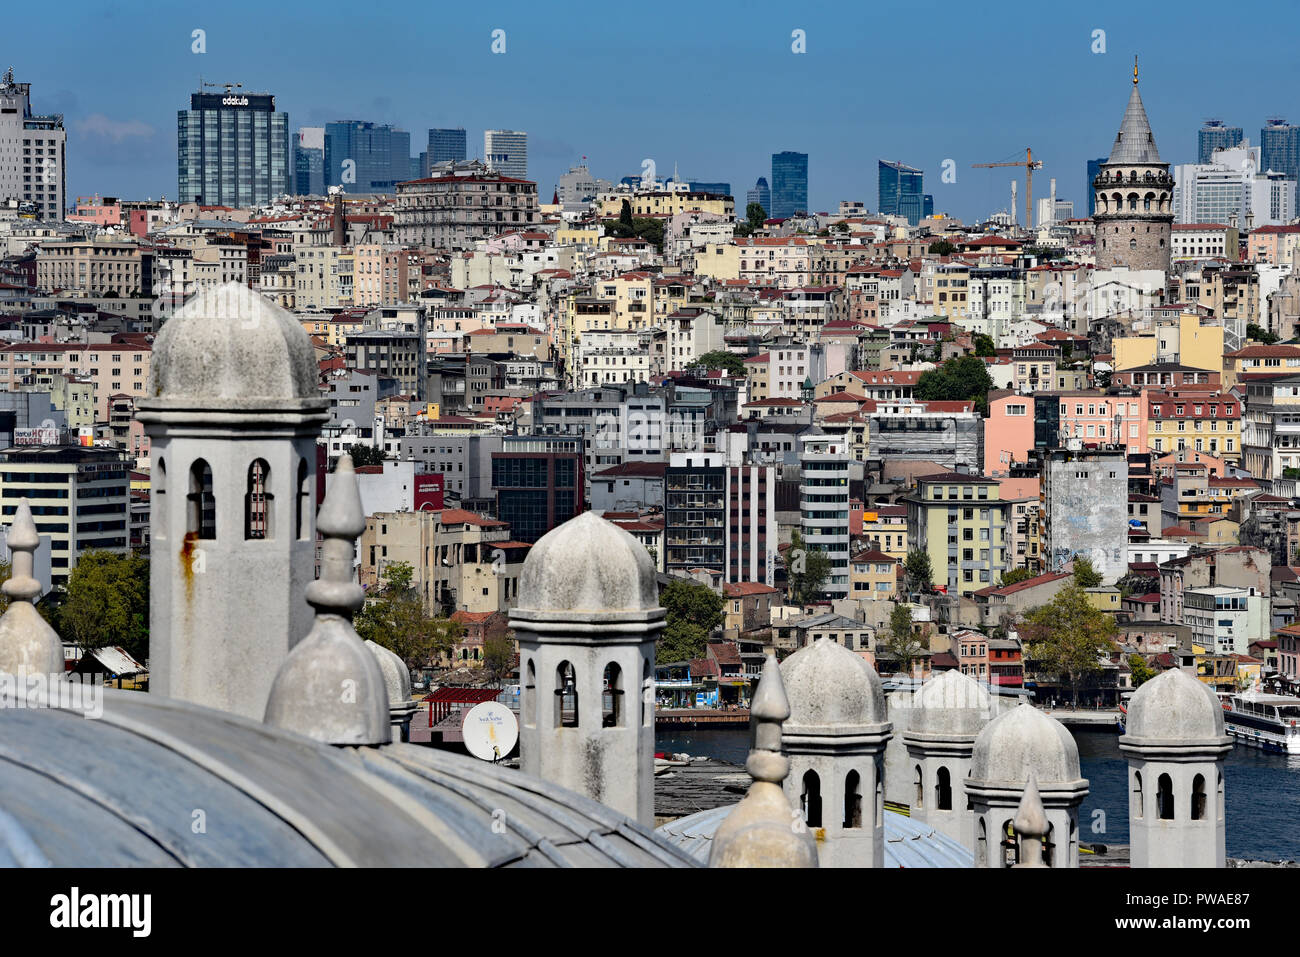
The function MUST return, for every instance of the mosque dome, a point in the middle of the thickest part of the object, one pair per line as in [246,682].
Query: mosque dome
[950,704]
[229,345]
[1173,707]
[1023,740]
[587,563]
[397,677]
[830,686]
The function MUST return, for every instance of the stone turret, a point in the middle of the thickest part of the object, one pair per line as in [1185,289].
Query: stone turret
[764,830]
[835,739]
[28,645]
[233,413]
[586,622]
[1175,745]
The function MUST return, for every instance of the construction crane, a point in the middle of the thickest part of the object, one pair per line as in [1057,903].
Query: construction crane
[1029,167]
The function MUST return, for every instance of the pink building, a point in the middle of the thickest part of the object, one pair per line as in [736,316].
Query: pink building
[1008,431]
[1090,417]
[104,214]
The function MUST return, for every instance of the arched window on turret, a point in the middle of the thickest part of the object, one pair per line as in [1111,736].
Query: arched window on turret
[303,505]
[1146,202]
[811,799]
[158,493]
[880,789]
[647,696]
[852,800]
[1165,798]
[529,704]
[566,696]
[258,500]
[201,516]
[612,714]
[1049,846]
[1138,810]
[1218,793]
[919,778]
[943,790]
[1132,202]
[982,845]
[1010,845]
[1198,797]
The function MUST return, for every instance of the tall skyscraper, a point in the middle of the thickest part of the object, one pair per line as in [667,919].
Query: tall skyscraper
[444,146]
[366,158]
[232,149]
[1094,167]
[1279,144]
[309,161]
[900,192]
[760,194]
[32,167]
[1215,136]
[789,184]
[1134,196]
[506,151]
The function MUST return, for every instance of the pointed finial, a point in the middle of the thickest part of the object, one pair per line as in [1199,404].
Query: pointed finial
[331,687]
[1135,69]
[764,830]
[1031,825]
[27,642]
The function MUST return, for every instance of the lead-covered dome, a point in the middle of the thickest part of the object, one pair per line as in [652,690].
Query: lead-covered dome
[950,704]
[1023,740]
[830,686]
[589,565]
[1174,707]
[229,345]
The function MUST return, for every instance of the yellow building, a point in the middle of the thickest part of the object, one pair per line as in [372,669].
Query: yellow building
[1201,421]
[661,204]
[885,526]
[874,575]
[587,237]
[962,524]
[1184,339]
[1104,599]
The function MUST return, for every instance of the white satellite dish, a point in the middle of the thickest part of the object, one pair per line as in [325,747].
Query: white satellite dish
[490,731]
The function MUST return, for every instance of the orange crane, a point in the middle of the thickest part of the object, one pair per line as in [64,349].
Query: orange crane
[1029,167]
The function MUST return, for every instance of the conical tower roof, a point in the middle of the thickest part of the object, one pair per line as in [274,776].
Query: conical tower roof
[1134,144]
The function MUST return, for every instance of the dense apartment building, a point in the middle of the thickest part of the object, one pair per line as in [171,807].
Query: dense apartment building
[718,517]
[960,521]
[824,505]
[33,158]
[95,267]
[457,211]
[539,483]
[1085,509]
[111,368]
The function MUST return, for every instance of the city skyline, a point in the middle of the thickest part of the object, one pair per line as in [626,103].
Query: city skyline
[121,140]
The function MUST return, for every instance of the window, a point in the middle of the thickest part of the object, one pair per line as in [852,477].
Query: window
[1165,798]
[943,790]
[810,800]
[201,521]
[566,696]
[258,500]
[852,800]
[612,712]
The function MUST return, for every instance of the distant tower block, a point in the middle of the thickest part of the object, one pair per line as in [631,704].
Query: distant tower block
[835,739]
[1011,747]
[233,413]
[1175,744]
[587,620]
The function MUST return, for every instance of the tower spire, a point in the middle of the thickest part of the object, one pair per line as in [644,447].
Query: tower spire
[1135,69]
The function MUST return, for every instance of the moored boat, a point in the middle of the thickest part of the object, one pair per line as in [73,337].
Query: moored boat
[1268,721]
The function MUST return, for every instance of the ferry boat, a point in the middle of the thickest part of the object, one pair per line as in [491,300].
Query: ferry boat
[1268,721]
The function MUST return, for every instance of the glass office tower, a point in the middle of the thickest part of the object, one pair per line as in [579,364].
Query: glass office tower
[445,146]
[1215,136]
[901,192]
[1279,143]
[232,149]
[365,157]
[789,184]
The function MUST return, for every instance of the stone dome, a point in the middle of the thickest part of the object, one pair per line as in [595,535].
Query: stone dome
[950,704]
[397,678]
[1174,707]
[1021,740]
[229,345]
[588,564]
[830,686]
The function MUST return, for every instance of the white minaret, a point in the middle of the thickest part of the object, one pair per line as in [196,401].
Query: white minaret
[1012,748]
[835,739]
[944,718]
[233,413]
[1175,746]
[1015,217]
[586,622]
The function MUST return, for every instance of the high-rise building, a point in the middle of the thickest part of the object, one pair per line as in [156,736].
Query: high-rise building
[704,186]
[445,146]
[824,505]
[506,151]
[719,517]
[1094,167]
[1215,136]
[309,161]
[789,184]
[32,153]
[232,149]
[1279,144]
[1134,196]
[365,157]
[900,192]
[760,194]
[538,483]
[1233,190]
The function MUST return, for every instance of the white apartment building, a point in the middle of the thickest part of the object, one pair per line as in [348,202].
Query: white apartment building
[824,505]
[33,154]
[1233,189]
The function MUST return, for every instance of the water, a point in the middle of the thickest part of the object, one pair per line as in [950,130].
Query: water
[1262,789]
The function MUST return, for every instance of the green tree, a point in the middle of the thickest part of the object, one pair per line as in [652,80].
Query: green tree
[984,345]
[917,570]
[1067,637]
[941,247]
[106,603]
[651,230]
[729,362]
[395,618]
[963,379]
[1084,573]
[807,570]
[498,656]
[755,216]
[1016,575]
[1260,334]
[365,455]
[694,611]
[1140,670]
[900,643]
[625,216]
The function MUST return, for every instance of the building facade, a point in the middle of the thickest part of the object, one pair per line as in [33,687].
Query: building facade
[232,150]
[33,154]
[506,151]
[789,184]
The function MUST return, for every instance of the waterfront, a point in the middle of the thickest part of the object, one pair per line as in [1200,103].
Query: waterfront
[1263,789]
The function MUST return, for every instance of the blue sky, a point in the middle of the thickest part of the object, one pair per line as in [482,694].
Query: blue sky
[714,88]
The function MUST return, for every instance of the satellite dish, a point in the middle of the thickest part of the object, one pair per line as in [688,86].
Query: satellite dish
[490,731]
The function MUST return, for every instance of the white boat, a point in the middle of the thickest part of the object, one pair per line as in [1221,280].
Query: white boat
[1268,721]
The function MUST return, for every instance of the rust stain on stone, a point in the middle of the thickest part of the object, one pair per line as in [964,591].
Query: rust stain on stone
[187,563]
